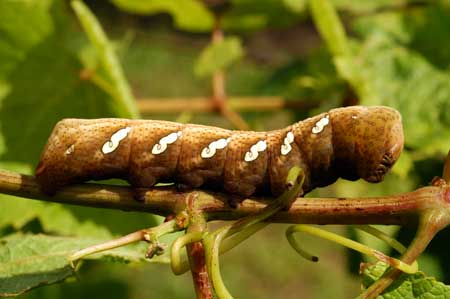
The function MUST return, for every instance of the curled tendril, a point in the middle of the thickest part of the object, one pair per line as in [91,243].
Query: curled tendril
[396,263]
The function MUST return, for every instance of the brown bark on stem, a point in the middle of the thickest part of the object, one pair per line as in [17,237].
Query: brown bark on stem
[202,284]
[403,209]
[219,96]
[196,253]
[218,79]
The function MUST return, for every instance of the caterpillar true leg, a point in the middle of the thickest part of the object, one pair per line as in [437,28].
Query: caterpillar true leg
[413,268]
[213,241]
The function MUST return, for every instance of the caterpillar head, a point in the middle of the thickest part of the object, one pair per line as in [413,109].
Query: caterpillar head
[368,141]
[80,149]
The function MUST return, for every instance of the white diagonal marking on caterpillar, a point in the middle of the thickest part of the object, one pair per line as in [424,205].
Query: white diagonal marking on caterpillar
[161,146]
[210,150]
[112,144]
[286,146]
[252,154]
[322,123]
[70,150]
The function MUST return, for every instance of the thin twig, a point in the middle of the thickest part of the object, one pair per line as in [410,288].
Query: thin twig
[219,96]
[234,118]
[218,79]
[204,104]
[149,234]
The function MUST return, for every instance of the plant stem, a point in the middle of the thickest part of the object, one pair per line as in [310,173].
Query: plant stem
[196,251]
[219,97]
[175,256]
[218,78]
[197,261]
[403,209]
[140,235]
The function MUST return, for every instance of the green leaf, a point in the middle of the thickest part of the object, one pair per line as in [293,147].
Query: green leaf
[28,261]
[44,88]
[400,78]
[423,30]
[404,165]
[45,99]
[367,7]
[407,286]
[119,90]
[333,33]
[330,27]
[218,56]
[297,6]
[23,24]
[189,15]
[251,15]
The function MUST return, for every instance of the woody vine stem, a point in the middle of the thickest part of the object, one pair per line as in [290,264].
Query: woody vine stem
[428,207]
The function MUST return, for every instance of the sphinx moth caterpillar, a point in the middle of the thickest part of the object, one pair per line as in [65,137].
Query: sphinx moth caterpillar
[351,143]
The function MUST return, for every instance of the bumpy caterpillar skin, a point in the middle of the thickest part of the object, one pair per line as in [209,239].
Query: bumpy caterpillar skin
[351,143]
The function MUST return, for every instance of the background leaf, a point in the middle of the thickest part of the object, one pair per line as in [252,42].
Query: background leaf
[408,286]
[23,24]
[27,261]
[189,15]
[218,56]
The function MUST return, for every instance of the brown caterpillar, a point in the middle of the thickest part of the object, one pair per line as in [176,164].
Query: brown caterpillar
[351,143]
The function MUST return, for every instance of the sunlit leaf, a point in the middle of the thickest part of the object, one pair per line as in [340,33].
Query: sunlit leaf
[190,15]
[402,79]
[297,6]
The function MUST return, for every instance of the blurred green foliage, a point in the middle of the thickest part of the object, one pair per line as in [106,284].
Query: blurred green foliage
[393,53]
[218,56]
